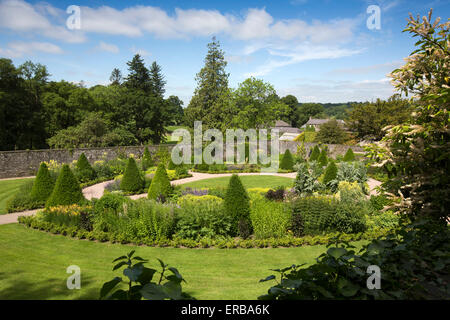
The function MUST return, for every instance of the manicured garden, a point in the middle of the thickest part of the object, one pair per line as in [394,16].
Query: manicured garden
[9,188]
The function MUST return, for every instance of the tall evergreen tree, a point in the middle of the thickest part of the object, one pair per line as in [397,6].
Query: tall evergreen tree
[157,80]
[212,84]
[116,77]
[138,76]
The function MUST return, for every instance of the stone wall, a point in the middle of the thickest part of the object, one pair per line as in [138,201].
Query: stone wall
[26,162]
[333,149]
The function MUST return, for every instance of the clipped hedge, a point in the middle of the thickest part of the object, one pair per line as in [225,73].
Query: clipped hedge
[147,160]
[315,153]
[132,180]
[322,159]
[83,169]
[237,205]
[349,155]
[330,172]
[287,162]
[160,185]
[67,190]
[35,223]
[43,185]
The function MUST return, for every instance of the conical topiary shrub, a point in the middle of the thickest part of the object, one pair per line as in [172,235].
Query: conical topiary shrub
[237,205]
[132,180]
[287,162]
[314,154]
[322,159]
[330,172]
[349,155]
[67,189]
[43,185]
[147,160]
[160,186]
[83,169]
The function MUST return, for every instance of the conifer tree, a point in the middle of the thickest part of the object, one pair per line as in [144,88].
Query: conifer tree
[322,159]
[132,180]
[67,189]
[287,162]
[349,155]
[43,185]
[314,154]
[160,186]
[237,205]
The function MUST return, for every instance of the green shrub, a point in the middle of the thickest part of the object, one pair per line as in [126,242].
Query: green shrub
[202,217]
[43,185]
[147,160]
[132,180]
[160,185]
[349,155]
[287,162]
[322,159]
[269,219]
[69,215]
[181,171]
[237,205]
[22,200]
[83,170]
[379,202]
[110,202]
[330,172]
[306,179]
[67,189]
[315,153]
[316,213]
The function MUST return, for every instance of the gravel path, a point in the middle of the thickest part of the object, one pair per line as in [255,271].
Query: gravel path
[96,191]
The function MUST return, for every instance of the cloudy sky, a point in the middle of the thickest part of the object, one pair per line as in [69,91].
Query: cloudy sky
[317,50]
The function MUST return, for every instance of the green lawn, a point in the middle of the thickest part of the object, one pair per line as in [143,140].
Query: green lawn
[7,189]
[248,182]
[33,266]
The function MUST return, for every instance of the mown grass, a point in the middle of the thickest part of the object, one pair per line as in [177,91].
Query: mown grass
[33,266]
[248,182]
[9,188]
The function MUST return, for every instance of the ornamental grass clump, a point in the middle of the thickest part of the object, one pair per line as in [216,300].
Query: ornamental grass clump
[43,185]
[160,186]
[237,205]
[67,189]
[132,180]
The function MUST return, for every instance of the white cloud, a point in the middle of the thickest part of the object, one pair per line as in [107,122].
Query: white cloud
[299,54]
[325,90]
[20,48]
[18,15]
[141,52]
[107,47]
[381,67]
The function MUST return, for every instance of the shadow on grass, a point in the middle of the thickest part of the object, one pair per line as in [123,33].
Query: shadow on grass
[13,286]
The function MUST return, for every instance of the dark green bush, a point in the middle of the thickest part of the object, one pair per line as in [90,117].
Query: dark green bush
[203,219]
[147,160]
[110,202]
[43,185]
[132,180]
[160,185]
[349,155]
[315,153]
[330,172]
[237,205]
[83,170]
[67,189]
[322,159]
[287,162]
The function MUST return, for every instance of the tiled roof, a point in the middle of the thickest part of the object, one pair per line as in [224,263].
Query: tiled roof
[281,123]
[321,121]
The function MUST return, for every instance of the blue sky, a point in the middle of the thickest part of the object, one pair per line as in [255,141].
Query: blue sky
[317,50]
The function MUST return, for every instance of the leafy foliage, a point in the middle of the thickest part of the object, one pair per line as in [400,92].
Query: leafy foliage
[322,159]
[306,179]
[330,172]
[141,284]
[414,265]
[331,132]
[315,153]
[147,160]
[269,219]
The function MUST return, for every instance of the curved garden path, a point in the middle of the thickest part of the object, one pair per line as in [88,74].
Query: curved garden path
[96,190]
